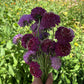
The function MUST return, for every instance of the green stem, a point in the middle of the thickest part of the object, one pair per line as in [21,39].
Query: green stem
[53,34]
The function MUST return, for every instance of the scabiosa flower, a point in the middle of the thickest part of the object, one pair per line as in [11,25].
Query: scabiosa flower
[35,69]
[55,62]
[49,20]
[28,56]
[25,39]
[25,20]
[17,38]
[48,45]
[43,35]
[62,49]
[37,13]
[33,44]
[34,27]
[64,34]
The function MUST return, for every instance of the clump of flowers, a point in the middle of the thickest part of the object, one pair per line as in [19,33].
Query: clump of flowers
[44,53]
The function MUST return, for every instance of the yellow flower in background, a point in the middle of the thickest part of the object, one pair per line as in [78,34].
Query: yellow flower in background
[2,56]
[51,0]
[70,56]
[65,13]
[62,4]
[17,13]
[11,10]
[26,1]
[75,26]
[75,74]
[77,22]
[20,8]
[65,3]
[82,27]
[76,44]
[6,5]
[82,0]
[79,63]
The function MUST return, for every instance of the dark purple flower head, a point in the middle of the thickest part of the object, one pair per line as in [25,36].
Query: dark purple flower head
[64,34]
[55,62]
[25,20]
[49,20]
[28,56]
[33,44]
[62,49]
[37,13]
[25,39]
[43,35]
[35,69]
[17,38]
[48,45]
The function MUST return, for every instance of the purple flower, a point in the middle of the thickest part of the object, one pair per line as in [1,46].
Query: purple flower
[64,34]
[25,20]
[17,38]
[34,27]
[25,39]
[43,35]
[48,45]
[33,44]
[37,13]
[28,56]
[49,20]
[55,62]
[62,49]
[35,69]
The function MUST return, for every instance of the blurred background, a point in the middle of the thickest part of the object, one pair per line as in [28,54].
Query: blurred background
[13,69]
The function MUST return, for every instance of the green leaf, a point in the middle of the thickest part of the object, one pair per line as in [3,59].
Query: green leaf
[2,70]
[32,78]
[2,62]
[55,75]
[9,44]
[67,80]
[15,60]
[11,70]
[2,52]
[76,67]
[0,81]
